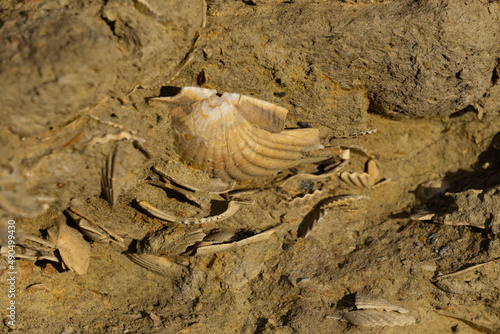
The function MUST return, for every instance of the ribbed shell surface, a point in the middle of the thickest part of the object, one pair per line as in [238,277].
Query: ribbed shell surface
[74,250]
[236,136]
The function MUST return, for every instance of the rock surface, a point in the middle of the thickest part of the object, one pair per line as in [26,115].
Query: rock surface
[50,72]
[415,59]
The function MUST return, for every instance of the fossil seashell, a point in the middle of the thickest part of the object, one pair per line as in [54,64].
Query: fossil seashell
[109,191]
[378,318]
[74,250]
[295,181]
[362,180]
[221,247]
[155,263]
[170,241]
[375,312]
[191,178]
[356,179]
[217,237]
[93,230]
[237,137]
[232,208]
[160,252]
[367,302]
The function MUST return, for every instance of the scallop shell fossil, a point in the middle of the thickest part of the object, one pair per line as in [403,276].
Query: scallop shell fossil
[74,250]
[363,180]
[376,312]
[366,302]
[377,318]
[237,137]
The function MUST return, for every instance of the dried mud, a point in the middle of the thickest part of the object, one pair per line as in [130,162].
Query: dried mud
[285,284]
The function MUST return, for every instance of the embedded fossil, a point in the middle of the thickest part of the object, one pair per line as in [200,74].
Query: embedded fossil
[367,302]
[74,250]
[378,318]
[169,248]
[232,208]
[192,179]
[155,263]
[230,138]
[213,245]
[160,252]
[93,230]
[197,194]
[376,312]
[170,241]
[109,175]
[362,180]
[223,140]
[237,137]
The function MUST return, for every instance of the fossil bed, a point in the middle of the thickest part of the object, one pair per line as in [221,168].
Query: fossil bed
[76,78]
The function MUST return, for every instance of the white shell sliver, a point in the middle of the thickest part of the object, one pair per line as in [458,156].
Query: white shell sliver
[235,136]
[364,302]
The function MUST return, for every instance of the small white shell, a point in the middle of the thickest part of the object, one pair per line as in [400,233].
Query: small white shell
[377,318]
[232,208]
[191,178]
[367,302]
[237,137]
